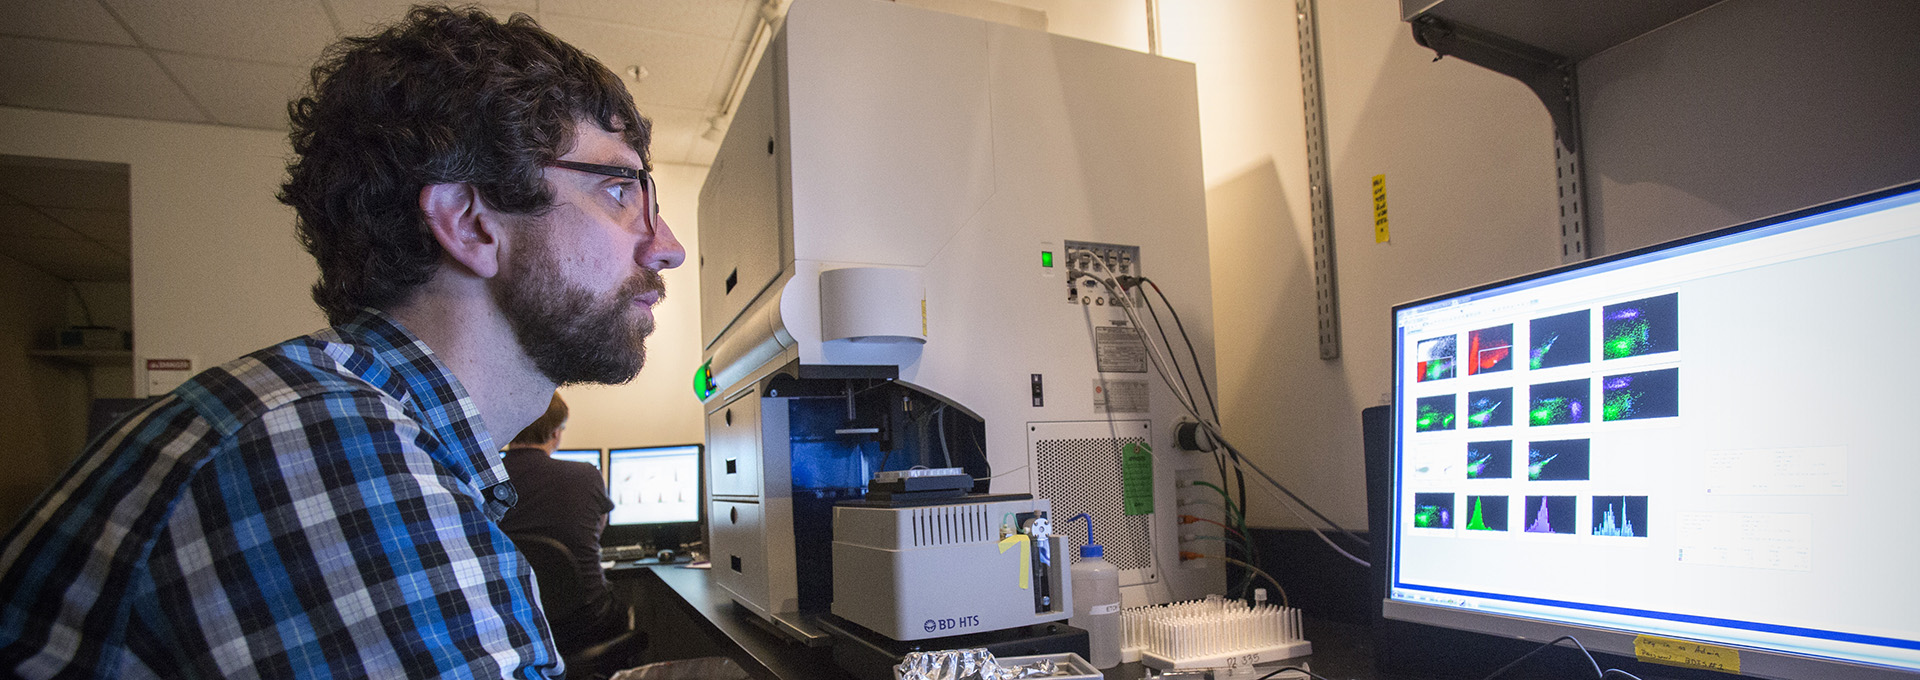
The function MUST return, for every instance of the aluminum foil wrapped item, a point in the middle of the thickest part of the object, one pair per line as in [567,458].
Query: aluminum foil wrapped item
[970,664]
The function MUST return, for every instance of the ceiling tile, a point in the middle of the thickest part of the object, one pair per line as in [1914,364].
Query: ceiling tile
[709,18]
[289,32]
[242,94]
[674,130]
[19,221]
[52,183]
[81,20]
[359,17]
[69,260]
[109,227]
[680,67]
[115,81]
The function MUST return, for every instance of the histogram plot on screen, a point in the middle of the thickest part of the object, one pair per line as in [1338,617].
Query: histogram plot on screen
[1647,394]
[1559,340]
[1490,408]
[1490,349]
[1487,513]
[1559,461]
[1437,358]
[1558,403]
[1433,511]
[1620,516]
[1490,460]
[1550,514]
[1434,414]
[1641,327]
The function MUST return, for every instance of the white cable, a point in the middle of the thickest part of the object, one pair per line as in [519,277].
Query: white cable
[1316,530]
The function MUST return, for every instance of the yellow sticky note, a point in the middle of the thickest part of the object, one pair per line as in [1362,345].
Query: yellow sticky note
[1686,653]
[1379,208]
[1026,556]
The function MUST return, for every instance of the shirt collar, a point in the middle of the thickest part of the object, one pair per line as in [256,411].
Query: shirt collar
[407,368]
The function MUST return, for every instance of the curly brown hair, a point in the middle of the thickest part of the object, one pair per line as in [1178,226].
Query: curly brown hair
[447,95]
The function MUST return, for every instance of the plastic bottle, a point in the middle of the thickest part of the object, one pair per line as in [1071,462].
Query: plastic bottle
[1096,602]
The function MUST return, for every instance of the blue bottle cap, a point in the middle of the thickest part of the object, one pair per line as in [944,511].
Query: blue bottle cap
[1091,550]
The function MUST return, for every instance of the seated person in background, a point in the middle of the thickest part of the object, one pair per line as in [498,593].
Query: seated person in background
[565,501]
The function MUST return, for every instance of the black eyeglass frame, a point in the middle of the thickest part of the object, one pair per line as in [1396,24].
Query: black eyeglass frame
[646,182]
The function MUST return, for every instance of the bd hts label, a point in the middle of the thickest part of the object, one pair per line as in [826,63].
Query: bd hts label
[960,623]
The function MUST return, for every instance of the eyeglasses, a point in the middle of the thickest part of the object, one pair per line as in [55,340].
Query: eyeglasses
[646,183]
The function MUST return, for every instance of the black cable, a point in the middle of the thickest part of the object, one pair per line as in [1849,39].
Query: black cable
[1235,453]
[1204,387]
[1296,498]
[1544,647]
[1284,669]
[1164,342]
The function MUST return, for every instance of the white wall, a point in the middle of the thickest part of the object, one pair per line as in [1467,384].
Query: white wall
[217,272]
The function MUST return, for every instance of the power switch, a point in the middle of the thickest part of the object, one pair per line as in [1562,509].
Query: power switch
[1039,395]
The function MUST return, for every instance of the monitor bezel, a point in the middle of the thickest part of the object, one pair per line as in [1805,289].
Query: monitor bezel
[1755,661]
[664,535]
[600,453]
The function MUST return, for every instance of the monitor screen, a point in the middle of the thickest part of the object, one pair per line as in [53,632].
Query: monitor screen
[588,456]
[1705,441]
[654,485]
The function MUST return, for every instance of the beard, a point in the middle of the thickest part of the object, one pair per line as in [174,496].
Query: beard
[573,336]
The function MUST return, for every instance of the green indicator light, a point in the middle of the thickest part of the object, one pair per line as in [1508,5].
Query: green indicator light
[703,381]
[1046,259]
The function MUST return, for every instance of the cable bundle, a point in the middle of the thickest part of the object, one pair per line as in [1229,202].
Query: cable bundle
[1211,633]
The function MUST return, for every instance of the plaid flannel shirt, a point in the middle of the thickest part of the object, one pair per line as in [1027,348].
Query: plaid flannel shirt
[322,508]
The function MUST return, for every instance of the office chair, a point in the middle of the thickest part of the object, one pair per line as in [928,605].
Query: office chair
[589,650]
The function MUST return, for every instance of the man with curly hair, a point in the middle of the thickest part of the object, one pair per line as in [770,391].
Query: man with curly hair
[477,196]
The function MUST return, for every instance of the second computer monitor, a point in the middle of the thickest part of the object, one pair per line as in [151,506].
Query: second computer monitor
[656,495]
[588,456]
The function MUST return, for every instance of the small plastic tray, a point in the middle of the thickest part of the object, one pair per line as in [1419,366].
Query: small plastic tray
[1082,669]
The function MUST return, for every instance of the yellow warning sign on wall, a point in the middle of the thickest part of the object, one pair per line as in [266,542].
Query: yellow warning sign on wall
[1379,208]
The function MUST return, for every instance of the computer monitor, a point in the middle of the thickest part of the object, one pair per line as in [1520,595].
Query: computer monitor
[588,456]
[656,496]
[1699,453]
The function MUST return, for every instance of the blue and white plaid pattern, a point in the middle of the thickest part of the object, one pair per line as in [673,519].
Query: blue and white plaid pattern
[322,508]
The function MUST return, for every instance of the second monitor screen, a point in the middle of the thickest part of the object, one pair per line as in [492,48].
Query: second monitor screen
[654,485]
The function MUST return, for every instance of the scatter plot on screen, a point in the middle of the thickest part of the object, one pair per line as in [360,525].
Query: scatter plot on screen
[1490,460]
[1558,403]
[1434,414]
[1559,461]
[1641,327]
[1620,516]
[1490,349]
[1560,340]
[1437,358]
[1490,408]
[1550,514]
[1433,511]
[1648,394]
[1487,513]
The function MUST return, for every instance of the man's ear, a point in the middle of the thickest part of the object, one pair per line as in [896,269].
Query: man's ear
[467,229]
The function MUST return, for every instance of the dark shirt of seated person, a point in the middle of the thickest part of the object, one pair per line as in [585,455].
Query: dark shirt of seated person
[567,502]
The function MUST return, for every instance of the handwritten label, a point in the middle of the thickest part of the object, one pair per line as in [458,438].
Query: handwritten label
[1686,654]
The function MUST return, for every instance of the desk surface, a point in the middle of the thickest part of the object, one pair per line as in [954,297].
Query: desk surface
[1342,651]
